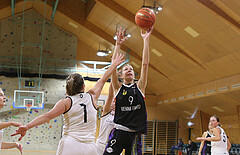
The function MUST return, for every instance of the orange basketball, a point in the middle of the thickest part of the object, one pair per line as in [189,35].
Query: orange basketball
[145,18]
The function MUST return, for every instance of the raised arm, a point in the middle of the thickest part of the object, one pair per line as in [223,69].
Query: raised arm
[120,40]
[96,90]
[59,108]
[217,137]
[7,124]
[142,82]
[9,145]
[107,105]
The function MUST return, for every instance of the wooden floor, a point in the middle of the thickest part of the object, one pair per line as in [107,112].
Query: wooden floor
[26,152]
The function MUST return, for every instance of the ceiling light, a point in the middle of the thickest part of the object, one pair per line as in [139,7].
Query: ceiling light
[156,52]
[73,25]
[155,7]
[102,53]
[190,123]
[135,64]
[118,26]
[191,31]
[128,35]
[218,109]
[159,8]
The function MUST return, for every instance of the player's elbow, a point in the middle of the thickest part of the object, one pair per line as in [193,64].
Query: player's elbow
[145,63]
[47,117]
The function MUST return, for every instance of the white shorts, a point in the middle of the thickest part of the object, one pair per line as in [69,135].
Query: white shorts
[213,153]
[1,138]
[100,148]
[69,146]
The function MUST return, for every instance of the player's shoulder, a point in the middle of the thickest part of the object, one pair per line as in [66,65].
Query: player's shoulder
[205,133]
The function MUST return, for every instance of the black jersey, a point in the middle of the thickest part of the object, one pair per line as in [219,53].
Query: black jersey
[130,110]
[207,146]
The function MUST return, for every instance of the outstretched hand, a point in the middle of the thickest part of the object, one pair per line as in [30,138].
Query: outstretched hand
[120,36]
[22,130]
[19,147]
[147,34]
[118,60]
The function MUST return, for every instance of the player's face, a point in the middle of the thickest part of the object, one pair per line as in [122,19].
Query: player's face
[128,73]
[213,122]
[2,99]
[210,127]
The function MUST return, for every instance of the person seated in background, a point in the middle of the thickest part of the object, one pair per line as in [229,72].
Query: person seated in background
[178,146]
[191,147]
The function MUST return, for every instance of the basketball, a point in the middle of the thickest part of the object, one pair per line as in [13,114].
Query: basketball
[145,18]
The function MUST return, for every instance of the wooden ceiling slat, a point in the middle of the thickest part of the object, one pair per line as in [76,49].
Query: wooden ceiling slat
[219,12]
[76,11]
[131,17]
[234,5]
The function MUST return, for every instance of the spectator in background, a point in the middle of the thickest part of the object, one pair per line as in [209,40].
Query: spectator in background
[179,146]
[191,147]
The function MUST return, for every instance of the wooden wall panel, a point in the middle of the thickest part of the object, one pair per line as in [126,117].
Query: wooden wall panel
[231,125]
[204,119]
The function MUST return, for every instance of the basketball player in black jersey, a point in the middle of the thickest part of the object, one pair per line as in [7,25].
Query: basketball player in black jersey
[205,147]
[130,111]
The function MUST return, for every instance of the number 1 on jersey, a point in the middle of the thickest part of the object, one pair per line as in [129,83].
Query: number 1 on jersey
[85,112]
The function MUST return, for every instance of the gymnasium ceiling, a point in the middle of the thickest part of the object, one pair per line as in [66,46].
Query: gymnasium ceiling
[185,61]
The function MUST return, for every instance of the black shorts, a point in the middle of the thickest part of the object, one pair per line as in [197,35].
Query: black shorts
[119,140]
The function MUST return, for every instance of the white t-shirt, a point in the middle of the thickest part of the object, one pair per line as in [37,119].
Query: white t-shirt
[106,126]
[219,147]
[1,137]
[81,119]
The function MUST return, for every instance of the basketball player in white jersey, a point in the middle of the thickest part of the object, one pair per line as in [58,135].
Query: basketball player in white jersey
[79,111]
[219,141]
[6,145]
[106,123]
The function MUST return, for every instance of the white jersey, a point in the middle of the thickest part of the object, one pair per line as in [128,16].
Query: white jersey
[219,147]
[106,126]
[79,122]
[1,137]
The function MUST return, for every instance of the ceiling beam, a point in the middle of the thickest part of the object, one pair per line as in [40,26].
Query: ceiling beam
[93,28]
[211,6]
[131,17]
[76,10]
[91,4]
[4,4]
[54,9]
